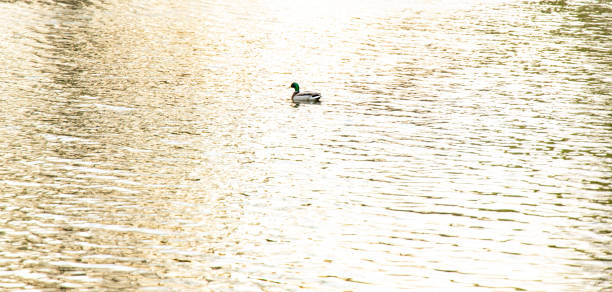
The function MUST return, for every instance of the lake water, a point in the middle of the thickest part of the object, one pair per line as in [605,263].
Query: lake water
[153,145]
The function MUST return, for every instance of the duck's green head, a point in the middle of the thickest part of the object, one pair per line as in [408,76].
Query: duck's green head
[295,86]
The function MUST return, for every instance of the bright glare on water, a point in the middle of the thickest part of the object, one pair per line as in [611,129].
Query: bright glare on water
[153,145]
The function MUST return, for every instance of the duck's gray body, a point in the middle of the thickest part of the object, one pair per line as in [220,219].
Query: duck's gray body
[304,95]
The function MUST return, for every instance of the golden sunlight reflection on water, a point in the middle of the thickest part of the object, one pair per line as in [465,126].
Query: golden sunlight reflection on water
[460,145]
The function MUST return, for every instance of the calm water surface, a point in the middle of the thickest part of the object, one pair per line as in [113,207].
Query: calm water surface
[152,145]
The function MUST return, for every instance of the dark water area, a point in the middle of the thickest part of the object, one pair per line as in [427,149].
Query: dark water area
[153,145]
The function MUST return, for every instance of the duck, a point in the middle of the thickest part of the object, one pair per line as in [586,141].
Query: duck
[307,96]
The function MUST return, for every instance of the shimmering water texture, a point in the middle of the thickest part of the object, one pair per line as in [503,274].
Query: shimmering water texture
[153,145]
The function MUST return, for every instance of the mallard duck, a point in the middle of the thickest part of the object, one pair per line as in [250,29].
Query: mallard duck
[304,96]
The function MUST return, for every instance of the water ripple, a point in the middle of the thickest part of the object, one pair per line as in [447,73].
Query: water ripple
[152,145]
